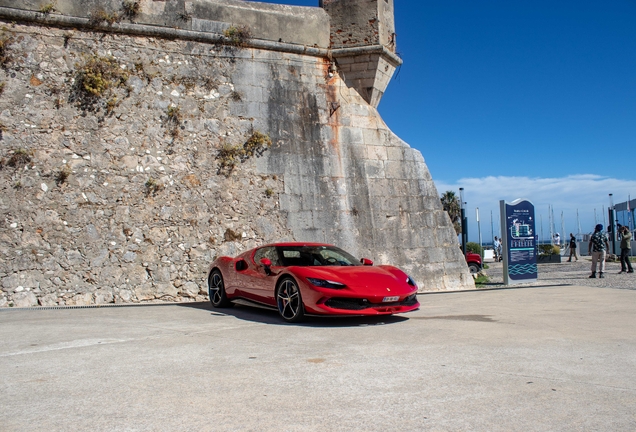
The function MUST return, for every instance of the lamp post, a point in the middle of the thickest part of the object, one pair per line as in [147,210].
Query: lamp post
[464,221]
[481,250]
[612,216]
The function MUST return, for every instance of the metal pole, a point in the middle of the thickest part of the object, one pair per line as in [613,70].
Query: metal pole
[481,250]
[562,230]
[612,216]
[550,222]
[464,221]
[492,229]
[630,220]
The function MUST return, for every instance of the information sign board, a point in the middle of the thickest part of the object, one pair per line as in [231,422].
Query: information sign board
[519,242]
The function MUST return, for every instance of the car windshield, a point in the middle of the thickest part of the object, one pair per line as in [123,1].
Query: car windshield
[309,256]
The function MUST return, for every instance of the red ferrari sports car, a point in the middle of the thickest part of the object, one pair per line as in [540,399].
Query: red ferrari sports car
[302,279]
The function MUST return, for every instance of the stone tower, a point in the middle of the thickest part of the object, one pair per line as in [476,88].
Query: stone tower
[363,41]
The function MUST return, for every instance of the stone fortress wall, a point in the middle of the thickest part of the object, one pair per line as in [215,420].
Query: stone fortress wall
[126,193]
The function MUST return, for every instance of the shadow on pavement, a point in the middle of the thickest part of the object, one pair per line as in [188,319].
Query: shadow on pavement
[267,316]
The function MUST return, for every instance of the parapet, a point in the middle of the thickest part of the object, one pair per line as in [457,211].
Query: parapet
[363,41]
[358,34]
[308,26]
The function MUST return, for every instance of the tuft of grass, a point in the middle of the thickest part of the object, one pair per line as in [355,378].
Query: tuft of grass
[111,105]
[47,8]
[230,156]
[236,96]
[256,145]
[95,78]
[269,192]
[184,16]
[62,175]
[237,36]
[2,84]
[153,187]
[130,9]
[20,158]
[481,280]
[173,120]
[231,235]
[99,16]
[5,41]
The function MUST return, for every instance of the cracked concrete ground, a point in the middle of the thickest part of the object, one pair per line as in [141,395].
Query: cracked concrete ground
[523,359]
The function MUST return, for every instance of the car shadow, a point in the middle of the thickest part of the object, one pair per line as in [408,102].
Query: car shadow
[267,316]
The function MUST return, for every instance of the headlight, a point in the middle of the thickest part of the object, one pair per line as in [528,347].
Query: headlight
[326,283]
[410,281]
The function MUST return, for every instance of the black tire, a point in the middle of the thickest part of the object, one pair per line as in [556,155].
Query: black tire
[216,290]
[289,301]
[474,268]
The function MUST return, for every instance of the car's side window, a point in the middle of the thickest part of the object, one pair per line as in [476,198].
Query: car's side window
[269,253]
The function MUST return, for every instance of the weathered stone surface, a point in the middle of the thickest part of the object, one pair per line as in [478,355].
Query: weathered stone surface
[136,203]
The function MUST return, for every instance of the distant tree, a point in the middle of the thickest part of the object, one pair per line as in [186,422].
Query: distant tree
[451,204]
[474,248]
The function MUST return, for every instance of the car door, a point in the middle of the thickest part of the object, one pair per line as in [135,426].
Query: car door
[262,283]
[238,278]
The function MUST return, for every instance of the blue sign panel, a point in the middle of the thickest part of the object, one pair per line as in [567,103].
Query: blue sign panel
[520,242]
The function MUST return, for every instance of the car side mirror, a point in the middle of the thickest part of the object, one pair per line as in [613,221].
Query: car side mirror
[366,262]
[267,264]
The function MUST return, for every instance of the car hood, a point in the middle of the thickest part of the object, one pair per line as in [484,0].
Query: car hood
[372,280]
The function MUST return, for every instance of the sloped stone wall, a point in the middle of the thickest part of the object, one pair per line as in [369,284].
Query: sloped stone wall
[125,199]
[102,235]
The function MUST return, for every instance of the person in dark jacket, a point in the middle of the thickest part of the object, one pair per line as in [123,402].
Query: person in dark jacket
[626,247]
[573,248]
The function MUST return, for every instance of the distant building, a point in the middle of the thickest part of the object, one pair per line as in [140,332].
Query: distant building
[625,213]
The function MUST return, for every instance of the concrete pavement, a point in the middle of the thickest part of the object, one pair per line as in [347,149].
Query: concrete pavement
[529,359]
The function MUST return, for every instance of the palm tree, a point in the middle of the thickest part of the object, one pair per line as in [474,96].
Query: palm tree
[452,206]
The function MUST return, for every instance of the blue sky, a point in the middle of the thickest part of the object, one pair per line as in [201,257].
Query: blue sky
[522,99]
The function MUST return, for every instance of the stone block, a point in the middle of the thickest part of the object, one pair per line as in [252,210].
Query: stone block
[350,135]
[104,297]
[374,169]
[83,299]
[310,235]
[190,289]
[300,220]
[142,292]
[48,300]
[24,299]
[362,66]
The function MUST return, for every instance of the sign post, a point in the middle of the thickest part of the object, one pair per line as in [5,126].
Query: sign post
[519,240]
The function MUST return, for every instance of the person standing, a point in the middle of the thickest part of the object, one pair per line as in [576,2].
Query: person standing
[496,246]
[557,239]
[598,247]
[573,248]
[626,247]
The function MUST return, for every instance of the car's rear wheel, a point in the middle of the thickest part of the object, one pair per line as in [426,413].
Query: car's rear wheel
[474,268]
[289,300]
[216,290]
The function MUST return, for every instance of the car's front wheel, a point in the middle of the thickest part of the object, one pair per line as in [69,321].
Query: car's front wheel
[216,290]
[474,268]
[289,300]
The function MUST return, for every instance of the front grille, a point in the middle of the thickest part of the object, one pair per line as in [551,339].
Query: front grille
[360,304]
